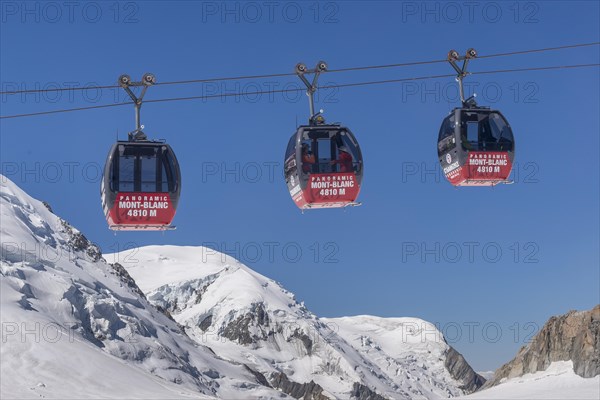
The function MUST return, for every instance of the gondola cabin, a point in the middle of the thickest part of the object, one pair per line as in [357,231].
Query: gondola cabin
[323,167]
[476,147]
[141,186]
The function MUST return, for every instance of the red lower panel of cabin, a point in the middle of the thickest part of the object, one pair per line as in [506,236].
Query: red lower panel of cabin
[334,190]
[141,211]
[483,168]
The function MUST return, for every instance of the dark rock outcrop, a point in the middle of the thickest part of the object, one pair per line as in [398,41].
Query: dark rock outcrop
[573,336]
[127,279]
[304,338]
[77,242]
[48,207]
[362,392]
[205,323]
[304,391]
[460,370]
[260,378]
[239,330]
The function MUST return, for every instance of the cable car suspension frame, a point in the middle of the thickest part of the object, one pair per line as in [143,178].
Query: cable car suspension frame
[453,57]
[311,88]
[125,82]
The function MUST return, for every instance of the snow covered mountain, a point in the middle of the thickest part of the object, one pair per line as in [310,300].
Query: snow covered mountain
[403,348]
[562,361]
[574,337]
[247,318]
[199,325]
[74,326]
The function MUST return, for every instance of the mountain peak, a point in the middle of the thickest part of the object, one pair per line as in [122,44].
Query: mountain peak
[573,336]
[175,321]
[65,309]
[252,319]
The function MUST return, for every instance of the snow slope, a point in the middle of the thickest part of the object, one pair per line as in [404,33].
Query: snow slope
[558,382]
[248,318]
[75,327]
[410,350]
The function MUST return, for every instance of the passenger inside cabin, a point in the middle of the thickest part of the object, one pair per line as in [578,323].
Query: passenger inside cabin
[344,160]
[308,159]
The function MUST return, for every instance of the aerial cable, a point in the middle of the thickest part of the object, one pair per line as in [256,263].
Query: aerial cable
[341,85]
[279,75]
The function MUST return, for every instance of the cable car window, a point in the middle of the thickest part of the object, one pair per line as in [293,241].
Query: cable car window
[485,140]
[148,165]
[472,131]
[125,178]
[447,128]
[164,177]
[501,132]
[324,154]
[308,158]
[114,175]
[446,140]
[289,167]
[170,173]
[352,148]
[291,147]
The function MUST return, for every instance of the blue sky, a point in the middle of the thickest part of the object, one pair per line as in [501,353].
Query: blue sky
[488,265]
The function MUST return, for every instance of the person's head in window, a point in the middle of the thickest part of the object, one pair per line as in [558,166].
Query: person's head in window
[308,158]
[344,159]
